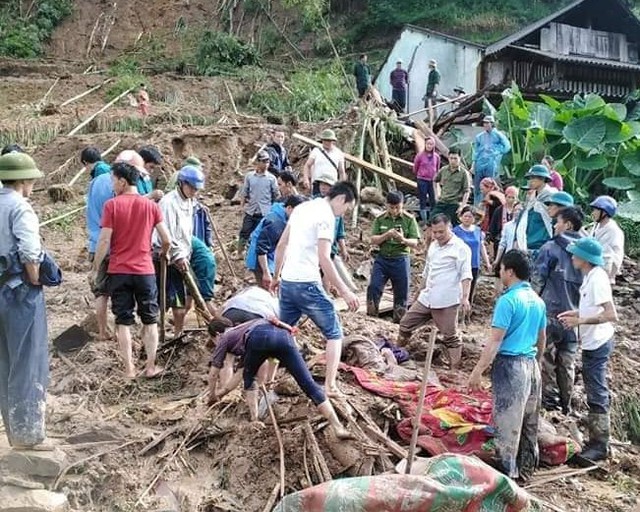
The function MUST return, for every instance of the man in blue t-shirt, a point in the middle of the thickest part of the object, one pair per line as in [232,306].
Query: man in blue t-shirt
[518,336]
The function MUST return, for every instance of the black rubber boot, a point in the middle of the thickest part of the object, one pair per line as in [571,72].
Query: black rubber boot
[598,446]
[372,309]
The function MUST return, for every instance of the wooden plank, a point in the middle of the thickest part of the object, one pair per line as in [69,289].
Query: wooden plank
[358,161]
[428,132]
[386,303]
[401,161]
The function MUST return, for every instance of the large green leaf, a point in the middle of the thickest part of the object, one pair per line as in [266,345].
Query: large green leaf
[591,162]
[617,132]
[560,151]
[593,102]
[619,183]
[615,111]
[587,133]
[633,195]
[631,162]
[630,210]
[551,102]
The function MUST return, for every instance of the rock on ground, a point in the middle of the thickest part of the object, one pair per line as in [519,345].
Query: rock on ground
[14,499]
[35,463]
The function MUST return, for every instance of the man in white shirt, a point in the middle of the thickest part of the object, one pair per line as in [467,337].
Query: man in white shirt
[325,161]
[250,304]
[594,320]
[608,233]
[445,286]
[304,249]
[177,212]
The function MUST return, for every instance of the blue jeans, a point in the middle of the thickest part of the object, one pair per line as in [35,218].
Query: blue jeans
[297,299]
[268,341]
[398,270]
[515,381]
[485,170]
[24,362]
[594,375]
[426,194]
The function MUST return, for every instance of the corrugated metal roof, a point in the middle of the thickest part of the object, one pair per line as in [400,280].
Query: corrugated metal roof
[444,36]
[580,59]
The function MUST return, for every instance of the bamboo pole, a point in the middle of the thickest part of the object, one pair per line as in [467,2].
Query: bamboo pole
[382,134]
[233,103]
[93,34]
[85,93]
[92,117]
[401,161]
[102,155]
[354,216]
[44,98]
[63,216]
[359,161]
[451,100]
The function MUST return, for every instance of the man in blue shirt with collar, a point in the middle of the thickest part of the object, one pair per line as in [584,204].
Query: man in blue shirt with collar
[518,336]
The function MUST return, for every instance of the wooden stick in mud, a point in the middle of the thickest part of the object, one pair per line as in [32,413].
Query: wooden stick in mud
[325,474]
[225,255]
[272,499]
[44,98]
[93,34]
[279,438]
[63,216]
[362,163]
[85,93]
[423,391]
[233,102]
[102,155]
[93,116]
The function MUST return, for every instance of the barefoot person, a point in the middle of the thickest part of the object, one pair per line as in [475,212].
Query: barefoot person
[304,249]
[24,343]
[128,221]
[253,343]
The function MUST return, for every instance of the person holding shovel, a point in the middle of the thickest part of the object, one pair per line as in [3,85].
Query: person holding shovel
[177,210]
[253,343]
[128,222]
[518,336]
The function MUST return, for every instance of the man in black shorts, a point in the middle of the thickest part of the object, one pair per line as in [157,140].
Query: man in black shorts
[128,221]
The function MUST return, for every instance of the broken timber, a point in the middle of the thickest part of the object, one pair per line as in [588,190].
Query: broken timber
[93,116]
[358,161]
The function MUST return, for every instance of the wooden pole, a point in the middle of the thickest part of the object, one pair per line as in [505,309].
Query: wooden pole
[362,163]
[44,98]
[93,34]
[354,216]
[233,103]
[225,255]
[163,298]
[423,392]
[92,117]
[279,438]
[428,132]
[102,155]
[63,216]
[85,93]
[192,287]
[451,100]
[401,161]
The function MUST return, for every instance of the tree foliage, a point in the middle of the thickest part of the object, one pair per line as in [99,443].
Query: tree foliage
[23,34]
[218,52]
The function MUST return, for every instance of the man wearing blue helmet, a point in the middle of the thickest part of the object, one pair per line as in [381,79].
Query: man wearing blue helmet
[177,210]
[608,233]
[593,321]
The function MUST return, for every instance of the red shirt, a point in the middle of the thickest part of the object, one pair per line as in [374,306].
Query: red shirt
[132,218]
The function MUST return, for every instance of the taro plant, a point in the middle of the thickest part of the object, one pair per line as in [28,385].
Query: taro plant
[596,144]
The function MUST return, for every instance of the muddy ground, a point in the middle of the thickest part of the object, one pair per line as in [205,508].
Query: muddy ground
[207,459]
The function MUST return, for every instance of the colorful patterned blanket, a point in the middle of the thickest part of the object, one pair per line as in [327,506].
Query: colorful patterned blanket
[453,421]
[449,483]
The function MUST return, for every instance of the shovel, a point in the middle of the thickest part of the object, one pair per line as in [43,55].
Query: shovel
[163,298]
[407,463]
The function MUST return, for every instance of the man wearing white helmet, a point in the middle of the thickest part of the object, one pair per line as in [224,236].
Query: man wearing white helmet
[608,233]
[177,211]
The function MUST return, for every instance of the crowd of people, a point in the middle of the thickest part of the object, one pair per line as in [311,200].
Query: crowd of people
[143,241]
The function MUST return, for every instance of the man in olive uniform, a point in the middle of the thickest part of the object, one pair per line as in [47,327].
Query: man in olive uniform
[24,342]
[452,188]
[362,72]
[395,233]
[433,83]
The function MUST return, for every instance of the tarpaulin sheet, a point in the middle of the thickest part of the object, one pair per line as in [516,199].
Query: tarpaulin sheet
[449,483]
[453,421]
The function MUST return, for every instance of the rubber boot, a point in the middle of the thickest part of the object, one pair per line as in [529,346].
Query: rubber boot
[598,446]
[398,313]
[372,308]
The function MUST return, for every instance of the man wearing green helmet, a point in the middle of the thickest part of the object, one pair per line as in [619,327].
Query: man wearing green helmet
[594,321]
[24,350]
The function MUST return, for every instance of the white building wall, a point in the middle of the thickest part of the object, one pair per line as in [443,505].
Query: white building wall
[458,63]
